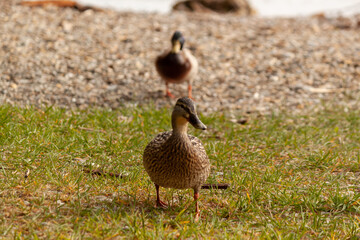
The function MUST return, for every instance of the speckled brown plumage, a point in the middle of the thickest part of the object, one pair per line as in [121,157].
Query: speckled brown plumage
[174,162]
[174,159]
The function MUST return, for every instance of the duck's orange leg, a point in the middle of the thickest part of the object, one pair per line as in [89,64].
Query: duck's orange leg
[159,203]
[197,210]
[190,92]
[168,93]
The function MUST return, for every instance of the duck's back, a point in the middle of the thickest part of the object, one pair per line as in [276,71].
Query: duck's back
[172,163]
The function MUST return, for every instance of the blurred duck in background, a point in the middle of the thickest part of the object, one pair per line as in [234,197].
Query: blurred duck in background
[177,65]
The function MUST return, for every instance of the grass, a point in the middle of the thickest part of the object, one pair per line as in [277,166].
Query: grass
[291,176]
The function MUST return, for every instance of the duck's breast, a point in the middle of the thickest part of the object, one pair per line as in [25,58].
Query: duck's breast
[173,67]
[175,165]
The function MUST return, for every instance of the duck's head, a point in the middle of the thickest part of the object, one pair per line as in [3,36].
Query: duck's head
[185,112]
[177,42]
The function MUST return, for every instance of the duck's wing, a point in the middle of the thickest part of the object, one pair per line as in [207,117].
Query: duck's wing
[157,142]
[200,150]
[152,150]
[194,65]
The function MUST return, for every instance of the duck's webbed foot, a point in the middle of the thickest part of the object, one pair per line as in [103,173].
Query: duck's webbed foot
[169,94]
[159,203]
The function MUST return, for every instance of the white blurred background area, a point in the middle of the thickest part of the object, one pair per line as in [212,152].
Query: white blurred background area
[268,8]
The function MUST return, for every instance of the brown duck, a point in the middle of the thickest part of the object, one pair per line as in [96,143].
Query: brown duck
[177,65]
[174,159]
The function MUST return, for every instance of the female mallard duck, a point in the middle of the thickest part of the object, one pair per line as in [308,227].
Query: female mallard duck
[175,159]
[177,65]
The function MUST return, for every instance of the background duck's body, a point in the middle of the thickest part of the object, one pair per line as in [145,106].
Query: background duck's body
[175,159]
[177,65]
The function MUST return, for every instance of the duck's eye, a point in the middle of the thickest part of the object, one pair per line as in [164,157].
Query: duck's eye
[187,116]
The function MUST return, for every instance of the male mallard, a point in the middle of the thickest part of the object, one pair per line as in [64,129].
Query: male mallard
[177,65]
[174,159]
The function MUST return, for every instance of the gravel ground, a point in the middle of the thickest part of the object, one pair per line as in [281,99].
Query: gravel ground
[106,58]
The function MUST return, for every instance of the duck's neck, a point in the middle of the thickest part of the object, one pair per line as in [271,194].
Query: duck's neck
[180,126]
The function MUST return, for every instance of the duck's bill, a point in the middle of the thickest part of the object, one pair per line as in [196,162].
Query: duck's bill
[195,121]
[176,47]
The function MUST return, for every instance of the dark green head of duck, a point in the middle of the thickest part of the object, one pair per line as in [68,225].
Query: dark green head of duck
[177,41]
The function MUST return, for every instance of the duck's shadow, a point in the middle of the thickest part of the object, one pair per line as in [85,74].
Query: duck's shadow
[125,207]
